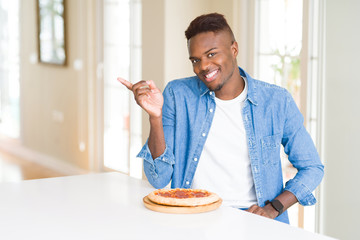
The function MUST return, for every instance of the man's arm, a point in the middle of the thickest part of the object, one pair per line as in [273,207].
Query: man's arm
[156,140]
[149,98]
[303,155]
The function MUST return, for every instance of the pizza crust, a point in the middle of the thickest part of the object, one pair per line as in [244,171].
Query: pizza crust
[166,197]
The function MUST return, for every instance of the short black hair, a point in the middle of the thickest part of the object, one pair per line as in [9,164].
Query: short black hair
[212,22]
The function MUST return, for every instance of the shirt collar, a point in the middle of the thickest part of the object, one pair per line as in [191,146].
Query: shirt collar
[251,96]
[202,88]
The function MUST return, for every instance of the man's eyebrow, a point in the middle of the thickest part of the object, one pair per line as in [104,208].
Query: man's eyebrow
[210,50]
[191,57]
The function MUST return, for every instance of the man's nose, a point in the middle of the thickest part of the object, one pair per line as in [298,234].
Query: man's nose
[204,65]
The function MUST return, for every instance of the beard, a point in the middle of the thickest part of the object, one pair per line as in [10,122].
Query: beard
[218,87]
[221,84]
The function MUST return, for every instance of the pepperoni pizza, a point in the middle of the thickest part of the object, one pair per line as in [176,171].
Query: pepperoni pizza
[183,197]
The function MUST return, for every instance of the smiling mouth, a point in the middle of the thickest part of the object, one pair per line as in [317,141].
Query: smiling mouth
[211,75]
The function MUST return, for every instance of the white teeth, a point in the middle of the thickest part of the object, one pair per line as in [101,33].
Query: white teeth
[210,75]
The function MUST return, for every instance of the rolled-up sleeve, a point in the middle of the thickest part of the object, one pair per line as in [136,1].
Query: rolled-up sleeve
[303,155]
[159,170]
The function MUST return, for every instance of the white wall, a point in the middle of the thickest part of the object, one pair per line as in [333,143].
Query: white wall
[178,15]
[341,194]
[48,89]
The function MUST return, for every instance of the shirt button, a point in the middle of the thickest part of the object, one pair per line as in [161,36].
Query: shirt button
[203,134]
[211,110]
[195,159]
[187,182]
[211,93]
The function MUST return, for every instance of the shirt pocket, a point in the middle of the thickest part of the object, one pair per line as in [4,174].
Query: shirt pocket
[270,149]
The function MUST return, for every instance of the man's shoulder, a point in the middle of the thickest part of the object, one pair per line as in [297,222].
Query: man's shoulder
[266,91]
[187,81]
[184,85]
[265,86]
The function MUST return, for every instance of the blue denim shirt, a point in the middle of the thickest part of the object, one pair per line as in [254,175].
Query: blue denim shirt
[271,119]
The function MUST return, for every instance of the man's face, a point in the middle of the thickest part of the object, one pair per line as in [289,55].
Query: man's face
[213,56]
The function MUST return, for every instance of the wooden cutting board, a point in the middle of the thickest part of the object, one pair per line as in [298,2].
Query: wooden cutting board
[177,209]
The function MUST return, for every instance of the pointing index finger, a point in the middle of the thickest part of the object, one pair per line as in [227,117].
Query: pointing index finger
[126,83]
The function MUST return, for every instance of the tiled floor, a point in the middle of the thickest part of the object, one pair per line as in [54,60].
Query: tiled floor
[14,169]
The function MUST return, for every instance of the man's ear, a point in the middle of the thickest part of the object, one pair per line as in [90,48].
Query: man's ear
[234,49]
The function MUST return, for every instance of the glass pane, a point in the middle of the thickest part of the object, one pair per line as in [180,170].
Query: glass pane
[116,98]
[52,34]
[9,69]
[279,38]
[135,113]
[122,58]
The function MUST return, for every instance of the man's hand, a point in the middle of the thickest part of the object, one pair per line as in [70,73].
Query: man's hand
[147,96]
[266,211]
[286,198]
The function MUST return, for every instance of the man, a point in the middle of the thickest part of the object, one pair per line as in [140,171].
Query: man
[221,130]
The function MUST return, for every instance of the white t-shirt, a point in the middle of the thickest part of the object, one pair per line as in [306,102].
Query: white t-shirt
[224,164]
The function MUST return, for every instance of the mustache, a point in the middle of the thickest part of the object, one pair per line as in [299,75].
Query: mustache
[207,71]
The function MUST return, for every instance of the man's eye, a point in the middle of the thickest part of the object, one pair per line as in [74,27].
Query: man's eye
[211,55]
[193,61]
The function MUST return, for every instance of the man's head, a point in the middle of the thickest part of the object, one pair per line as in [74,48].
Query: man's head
[212,50]
[212,22]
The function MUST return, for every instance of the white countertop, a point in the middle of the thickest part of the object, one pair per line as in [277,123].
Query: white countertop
[109,206]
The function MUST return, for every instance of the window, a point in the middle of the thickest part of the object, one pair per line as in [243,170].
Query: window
[121,58]
[279,44]
[286,54]
[9,69]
